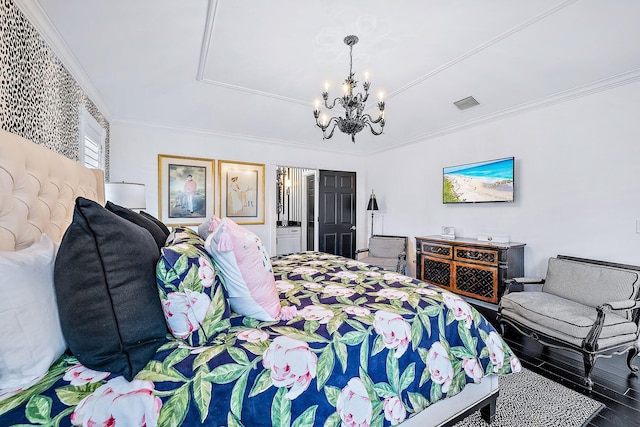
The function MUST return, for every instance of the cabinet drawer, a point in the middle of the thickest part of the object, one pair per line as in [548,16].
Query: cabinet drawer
[477,281]
[436,271]
[481,256]
[435,249]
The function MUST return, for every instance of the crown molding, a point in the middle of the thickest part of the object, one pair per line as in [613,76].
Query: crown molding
[612,82]
[210,132]
[39,19]
[212,12]
[524,25]
[577,92]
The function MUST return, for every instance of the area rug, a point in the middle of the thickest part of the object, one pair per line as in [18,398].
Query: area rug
[528,399]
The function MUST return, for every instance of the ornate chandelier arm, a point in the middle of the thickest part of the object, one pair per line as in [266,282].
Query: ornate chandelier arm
[373,131]
[325,96]
[363,97]
[333,123]
[368,119]
[380,118]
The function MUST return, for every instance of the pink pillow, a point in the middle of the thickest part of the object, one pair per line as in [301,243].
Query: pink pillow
[246,269]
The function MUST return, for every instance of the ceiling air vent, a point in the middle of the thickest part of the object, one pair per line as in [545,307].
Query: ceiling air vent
[466,103]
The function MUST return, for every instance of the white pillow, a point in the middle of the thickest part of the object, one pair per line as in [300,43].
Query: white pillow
[246,268]
[31,338]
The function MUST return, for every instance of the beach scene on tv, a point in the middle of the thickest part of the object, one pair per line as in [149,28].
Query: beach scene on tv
[490,181]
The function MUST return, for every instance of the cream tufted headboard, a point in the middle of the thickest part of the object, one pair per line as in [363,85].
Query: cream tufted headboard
[38,188]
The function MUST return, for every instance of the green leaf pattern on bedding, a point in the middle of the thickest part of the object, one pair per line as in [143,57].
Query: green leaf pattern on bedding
[366,347]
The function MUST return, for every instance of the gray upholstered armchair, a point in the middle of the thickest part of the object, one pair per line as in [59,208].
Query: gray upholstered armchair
[386,252]
[588,306]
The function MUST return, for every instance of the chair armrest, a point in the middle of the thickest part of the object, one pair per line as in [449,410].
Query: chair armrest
[591,341]
[520,284]
[513,286]
[626,305]
[528,280]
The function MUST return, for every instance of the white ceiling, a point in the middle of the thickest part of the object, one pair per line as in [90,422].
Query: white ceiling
[254,68]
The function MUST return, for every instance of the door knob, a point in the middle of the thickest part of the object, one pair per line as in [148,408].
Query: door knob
[353,227]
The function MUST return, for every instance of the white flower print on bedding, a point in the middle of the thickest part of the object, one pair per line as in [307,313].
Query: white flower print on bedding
[253,335]
[459,307]
[80,375]
[354,405]
[393,294]
[473,369]
[185,311]
[316,312]
[394,410]
[440,366]
[394,330]
[496,351]
[119,402]
[292,365]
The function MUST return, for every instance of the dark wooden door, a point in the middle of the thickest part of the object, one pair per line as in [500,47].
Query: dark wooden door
[337,216]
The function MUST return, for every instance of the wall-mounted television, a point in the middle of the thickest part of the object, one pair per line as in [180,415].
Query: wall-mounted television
[480,182]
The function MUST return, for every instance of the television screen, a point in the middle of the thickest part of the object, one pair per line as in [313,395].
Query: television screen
[490,181]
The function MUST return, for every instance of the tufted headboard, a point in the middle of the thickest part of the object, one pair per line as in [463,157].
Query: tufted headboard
[38,188]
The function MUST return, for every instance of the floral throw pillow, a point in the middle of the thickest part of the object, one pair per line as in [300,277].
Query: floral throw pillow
[193,297]
[183,235]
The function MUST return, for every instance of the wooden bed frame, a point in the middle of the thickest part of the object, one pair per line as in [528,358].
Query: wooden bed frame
[38,188]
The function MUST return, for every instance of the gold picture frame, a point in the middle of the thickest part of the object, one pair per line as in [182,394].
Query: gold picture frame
[185,189]
[241,191]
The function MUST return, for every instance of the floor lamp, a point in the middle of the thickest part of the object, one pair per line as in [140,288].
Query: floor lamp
[372,206]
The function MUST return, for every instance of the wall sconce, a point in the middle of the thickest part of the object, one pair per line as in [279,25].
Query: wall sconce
[372,206]
[126,194]
[287,185]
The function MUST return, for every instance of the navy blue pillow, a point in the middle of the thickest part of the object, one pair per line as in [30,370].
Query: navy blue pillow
[159,223]
[106,291]
[140,220]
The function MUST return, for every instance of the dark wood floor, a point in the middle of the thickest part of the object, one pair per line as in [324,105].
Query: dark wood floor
[613,384]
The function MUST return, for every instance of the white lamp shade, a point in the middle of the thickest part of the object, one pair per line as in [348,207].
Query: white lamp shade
[126,194]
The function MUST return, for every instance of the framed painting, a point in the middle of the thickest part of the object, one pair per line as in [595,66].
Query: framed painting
[241,191]
[185,189]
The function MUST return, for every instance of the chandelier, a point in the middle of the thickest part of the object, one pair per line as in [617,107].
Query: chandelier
[353,104]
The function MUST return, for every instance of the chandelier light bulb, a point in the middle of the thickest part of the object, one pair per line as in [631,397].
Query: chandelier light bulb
[366,76]
[326,86]
[380,95]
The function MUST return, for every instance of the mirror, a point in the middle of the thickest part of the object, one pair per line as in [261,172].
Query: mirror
[295,208]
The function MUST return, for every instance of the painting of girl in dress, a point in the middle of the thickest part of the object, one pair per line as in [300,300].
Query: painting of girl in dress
[242,192]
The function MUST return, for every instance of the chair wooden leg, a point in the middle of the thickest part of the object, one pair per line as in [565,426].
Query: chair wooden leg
[632,354]
[589,361]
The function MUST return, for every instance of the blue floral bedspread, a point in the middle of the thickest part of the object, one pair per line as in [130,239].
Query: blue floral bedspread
[363,347]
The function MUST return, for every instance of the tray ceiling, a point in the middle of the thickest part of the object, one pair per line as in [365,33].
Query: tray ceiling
[253,69]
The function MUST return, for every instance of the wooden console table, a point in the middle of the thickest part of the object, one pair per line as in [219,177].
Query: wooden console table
[468,266]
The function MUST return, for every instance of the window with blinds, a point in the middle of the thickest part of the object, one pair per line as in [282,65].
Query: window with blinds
[92,156]
[92,140]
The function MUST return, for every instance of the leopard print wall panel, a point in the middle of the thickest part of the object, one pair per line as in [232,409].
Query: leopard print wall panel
[39,99]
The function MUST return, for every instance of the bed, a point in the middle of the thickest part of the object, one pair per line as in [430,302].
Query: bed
[348,344]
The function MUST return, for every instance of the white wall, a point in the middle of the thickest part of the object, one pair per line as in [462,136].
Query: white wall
[577,181]
[134,158]
[577,177]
